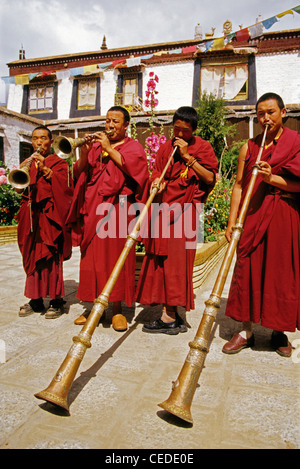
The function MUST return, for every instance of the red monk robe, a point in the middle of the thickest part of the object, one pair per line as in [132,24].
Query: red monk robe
[99,218]
[43,238]
[167,270]
[266,281]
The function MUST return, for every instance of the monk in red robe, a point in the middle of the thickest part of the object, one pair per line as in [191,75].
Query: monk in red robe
[167,270]
[265,286]
[112,176]
[43,238]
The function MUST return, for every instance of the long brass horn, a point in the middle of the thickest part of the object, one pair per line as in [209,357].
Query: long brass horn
[57,391]
[19,177]
[64,146]
[183,389]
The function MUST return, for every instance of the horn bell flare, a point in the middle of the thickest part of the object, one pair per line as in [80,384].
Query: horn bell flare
[53,399]
[178,411]
[19,178]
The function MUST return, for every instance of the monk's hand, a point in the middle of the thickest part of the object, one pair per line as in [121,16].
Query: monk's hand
[182,145]
[265,171]
[39,161]
[155,184]
[104,141]
[229,231]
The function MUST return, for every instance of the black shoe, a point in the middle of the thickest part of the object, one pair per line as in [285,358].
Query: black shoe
[181,324]
[159,326]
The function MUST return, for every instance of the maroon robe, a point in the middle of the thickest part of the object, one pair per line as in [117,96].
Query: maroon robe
[265,286]
[43,238]
[167,271]
[99,218]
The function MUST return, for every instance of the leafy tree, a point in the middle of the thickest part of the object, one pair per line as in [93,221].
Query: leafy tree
[212,124]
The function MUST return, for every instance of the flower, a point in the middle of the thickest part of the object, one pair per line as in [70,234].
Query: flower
[9,199]
[217,208]
[154,140]
[3,179]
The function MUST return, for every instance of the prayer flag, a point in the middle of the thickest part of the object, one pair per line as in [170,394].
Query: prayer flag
[256,30]
[186,50]
[90,68]
[269,22]
[118,62]
[133,61]
[76,71]
[296,9]
[242,35]
[104,66]
[201,47]
[208,45]
[175,51]
[218,44]
[45,74]
[161,52]
[32,76]
[22,79]
[8,80]
[146,57]
[63,74]
[285,13]
[230,36]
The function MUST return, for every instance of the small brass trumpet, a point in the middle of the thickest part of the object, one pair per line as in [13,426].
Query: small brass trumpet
[64,146]
[19,178]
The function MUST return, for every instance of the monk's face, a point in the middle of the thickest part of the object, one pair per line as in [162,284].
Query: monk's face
[183,130]
[40,138]
[268,112]
[115,123]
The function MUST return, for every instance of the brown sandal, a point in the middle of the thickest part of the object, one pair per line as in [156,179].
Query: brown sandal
[34,306]
[56,309]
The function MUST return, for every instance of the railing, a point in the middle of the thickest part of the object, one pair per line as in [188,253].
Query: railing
[129,100]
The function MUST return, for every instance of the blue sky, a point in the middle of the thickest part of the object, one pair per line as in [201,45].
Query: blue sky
[54,27]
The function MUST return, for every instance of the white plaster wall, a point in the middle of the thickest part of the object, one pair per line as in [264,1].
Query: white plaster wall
[108,87]
[64,96]
[279,73]
[175,86]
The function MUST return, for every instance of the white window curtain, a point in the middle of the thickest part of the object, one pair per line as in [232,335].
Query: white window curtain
[87,91]
[129,87]
[224,81]
[235,78]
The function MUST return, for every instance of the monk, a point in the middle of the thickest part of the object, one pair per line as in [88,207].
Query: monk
[167,270]
[43,238]
[112,176]
[265,286]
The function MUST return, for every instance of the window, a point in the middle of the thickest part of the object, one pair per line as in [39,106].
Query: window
[85,96]
[129,93]
[227,81]
[87,93]
[26,150]
[40,99]
[129,90]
